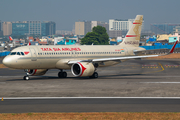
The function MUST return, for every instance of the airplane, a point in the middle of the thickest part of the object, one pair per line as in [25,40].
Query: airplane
[10,38]
[82,60]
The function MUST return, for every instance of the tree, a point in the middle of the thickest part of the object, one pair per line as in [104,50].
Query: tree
[98,36]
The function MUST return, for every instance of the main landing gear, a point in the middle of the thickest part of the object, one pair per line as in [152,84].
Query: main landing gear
[95,75]
[62,74]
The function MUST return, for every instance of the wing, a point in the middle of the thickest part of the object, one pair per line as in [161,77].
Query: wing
[122,58]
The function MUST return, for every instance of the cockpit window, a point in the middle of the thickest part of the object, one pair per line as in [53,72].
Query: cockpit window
[18,53]
[13,53]
[22,53]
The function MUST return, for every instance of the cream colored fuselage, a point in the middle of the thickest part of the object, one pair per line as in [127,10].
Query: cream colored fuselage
[57,57]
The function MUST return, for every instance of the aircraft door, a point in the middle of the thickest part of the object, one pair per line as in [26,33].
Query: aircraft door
[125,51]
[74,54]
[33,54]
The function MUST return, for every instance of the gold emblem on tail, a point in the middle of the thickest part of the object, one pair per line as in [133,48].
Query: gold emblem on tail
[137,27]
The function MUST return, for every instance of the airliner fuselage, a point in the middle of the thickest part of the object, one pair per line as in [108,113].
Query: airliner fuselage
[57,57]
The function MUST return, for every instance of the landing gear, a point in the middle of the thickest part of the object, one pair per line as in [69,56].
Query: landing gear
[95,75]
[62,74]
[26,77]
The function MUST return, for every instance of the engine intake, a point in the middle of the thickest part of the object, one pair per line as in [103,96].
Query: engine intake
[82,69]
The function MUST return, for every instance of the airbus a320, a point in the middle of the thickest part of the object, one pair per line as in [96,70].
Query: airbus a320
[82,60]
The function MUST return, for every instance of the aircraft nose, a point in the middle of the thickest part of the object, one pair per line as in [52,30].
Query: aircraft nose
[7,61]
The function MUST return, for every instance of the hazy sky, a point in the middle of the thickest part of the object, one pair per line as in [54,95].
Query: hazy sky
[66,12]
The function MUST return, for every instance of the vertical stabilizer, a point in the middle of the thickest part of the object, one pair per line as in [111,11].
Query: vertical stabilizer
[10,38]
[133,36]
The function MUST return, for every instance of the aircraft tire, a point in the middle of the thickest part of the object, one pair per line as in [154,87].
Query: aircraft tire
[62,74]
[26,77]
[95,75]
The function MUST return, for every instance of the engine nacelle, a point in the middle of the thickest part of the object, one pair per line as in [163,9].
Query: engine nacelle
[82,69]
[34,72]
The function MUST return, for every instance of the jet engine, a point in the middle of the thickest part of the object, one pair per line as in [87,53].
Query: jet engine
[34,72]
[82,69]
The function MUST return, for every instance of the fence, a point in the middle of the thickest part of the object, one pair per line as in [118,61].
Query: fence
[2,54]
[160,47]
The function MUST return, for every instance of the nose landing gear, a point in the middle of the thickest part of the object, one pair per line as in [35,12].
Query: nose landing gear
[26,77]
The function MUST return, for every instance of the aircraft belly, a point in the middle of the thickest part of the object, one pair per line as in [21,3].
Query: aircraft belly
[38,64]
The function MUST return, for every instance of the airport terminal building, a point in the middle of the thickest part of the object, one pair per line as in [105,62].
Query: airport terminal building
[44,28]
[82,28]
[164,28]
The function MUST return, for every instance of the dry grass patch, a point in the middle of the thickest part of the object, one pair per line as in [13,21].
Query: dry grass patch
[2,66]
[170,56]
[90,116]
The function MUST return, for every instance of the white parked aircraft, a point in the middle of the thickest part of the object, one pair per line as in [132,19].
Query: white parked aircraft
[83,60]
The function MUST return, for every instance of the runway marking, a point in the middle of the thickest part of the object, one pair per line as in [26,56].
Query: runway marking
[26,98]
[156,71]
[161,82]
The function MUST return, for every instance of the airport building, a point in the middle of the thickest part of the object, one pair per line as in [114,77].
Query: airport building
[82,28]
[29,28]
[34,28]
[48,28]
[119,24]
[164,28]
[0,26]
[119,27]
[7,28]
[20,28]
[1,32]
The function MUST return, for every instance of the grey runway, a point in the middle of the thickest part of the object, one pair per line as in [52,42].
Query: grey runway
[90,105]
[134,78]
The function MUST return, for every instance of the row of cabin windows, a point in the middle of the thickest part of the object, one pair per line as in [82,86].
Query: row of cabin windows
[68,53]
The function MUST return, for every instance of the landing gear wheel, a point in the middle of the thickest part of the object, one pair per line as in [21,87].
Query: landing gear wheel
[62,74]
[95,75]
[26,78]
